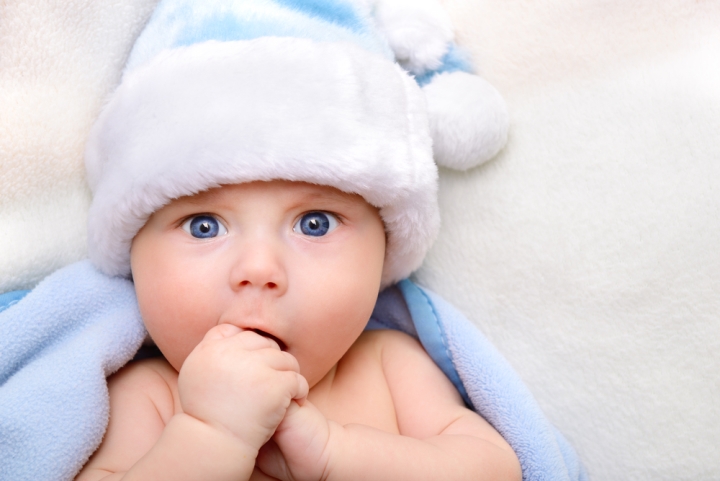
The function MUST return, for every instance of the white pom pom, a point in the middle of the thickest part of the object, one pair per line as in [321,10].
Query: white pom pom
[418,31]
[468,119]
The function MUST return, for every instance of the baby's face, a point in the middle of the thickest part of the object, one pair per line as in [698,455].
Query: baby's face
[299,262]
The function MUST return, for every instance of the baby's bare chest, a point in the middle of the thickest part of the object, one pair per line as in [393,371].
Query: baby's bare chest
[356,390]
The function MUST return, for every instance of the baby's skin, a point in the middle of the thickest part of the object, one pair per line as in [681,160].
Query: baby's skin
[257,295]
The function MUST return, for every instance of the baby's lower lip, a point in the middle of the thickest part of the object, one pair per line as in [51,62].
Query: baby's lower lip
[282,345]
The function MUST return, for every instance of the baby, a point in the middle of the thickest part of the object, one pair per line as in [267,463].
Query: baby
[257,295]
[261,192]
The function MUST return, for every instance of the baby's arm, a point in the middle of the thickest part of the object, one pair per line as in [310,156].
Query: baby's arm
[223,421]
[439,438]
[138,443]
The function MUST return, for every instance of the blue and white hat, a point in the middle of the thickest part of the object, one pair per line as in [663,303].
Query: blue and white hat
[322,91]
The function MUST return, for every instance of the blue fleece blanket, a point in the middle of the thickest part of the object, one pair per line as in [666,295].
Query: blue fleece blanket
[58,344]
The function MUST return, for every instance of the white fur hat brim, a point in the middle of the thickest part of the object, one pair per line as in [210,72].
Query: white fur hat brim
[270,108]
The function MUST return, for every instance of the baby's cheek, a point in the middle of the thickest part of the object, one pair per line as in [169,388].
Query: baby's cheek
[176,329]
[176,346]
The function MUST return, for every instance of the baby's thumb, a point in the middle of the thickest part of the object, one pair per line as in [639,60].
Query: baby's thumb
[303,438]
[271,462]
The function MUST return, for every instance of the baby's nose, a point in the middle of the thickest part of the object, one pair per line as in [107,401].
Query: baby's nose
[259,266]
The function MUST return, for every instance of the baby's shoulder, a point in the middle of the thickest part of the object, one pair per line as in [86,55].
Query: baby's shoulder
[145,373]
[382,337]
[152,380]
[410,374]
[387,341]
[390,348]
[376,351]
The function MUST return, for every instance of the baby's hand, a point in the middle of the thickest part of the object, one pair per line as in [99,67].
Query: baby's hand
[302,447]
[241,382]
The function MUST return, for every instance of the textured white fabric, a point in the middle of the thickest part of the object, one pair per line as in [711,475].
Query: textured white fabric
[592,239]
[58,60]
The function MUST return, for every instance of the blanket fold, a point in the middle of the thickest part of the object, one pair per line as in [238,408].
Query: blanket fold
[57,345]
[60,341]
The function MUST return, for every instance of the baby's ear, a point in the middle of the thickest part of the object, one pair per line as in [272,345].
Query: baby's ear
[468,117]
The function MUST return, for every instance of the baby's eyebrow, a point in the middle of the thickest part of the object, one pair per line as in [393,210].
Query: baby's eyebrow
[215,198]
[202,198]
[330,197]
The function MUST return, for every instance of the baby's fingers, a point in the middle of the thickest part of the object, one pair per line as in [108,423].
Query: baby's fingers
[279,360]
[248,339]
[287,367]
[299,387]
[221,331]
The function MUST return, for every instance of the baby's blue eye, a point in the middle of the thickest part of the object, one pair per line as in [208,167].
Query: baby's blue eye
[204,227]
[316,224]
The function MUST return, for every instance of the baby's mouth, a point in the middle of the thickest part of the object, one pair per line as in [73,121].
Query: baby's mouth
[282,345]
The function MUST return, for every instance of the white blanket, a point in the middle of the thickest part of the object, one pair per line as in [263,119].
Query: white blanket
[591,240]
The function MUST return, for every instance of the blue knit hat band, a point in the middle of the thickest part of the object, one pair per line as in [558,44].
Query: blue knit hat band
[179,23]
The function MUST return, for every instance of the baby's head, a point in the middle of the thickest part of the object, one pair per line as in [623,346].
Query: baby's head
[215,168]
[242,121]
